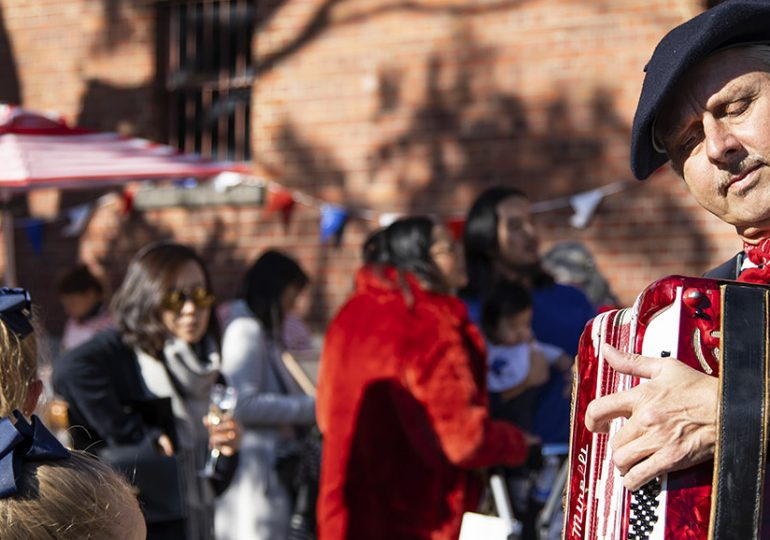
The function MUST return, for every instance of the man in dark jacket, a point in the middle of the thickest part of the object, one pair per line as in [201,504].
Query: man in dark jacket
[705,107]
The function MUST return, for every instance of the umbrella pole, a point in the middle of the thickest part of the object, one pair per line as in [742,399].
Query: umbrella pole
[8,241]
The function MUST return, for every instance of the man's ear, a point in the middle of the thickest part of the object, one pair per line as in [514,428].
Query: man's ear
[33,395]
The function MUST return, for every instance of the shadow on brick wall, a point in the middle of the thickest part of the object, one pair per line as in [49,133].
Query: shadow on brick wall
[468,134]
[466,131]
[10,90]
[324,20]
[131,110]
[313,168]
[118,26]
[39,271]
[497,138]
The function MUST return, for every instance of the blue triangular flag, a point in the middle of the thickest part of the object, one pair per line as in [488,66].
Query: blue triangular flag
[333,219]
[34,229]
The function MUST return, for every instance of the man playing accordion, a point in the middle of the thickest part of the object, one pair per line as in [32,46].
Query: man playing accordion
[705,106]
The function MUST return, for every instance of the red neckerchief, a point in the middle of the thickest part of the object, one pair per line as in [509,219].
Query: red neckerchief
[759,254]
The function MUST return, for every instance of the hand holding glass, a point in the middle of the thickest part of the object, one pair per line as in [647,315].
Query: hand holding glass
[222,402]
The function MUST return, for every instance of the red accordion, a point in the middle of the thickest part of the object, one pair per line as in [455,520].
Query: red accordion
[679,317]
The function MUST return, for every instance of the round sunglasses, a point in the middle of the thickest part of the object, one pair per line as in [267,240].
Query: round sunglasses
[176,299]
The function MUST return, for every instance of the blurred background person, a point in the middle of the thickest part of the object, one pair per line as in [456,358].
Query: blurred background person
[82,297]
[271,406]
[66,495]
[501,242]
[571,263]
[62,494]
[517,363]
[20,387]
[163,352]
[518,367]
[402,398]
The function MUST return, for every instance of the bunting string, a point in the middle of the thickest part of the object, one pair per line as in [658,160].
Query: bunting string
[283,200]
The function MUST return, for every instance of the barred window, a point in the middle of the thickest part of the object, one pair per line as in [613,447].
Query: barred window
[205,50]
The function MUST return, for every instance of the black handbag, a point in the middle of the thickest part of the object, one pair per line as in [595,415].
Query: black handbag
[155,476]
[298,464]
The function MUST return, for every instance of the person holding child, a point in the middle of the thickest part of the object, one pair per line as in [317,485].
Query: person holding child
[501,243]
[518,366]
[518,363]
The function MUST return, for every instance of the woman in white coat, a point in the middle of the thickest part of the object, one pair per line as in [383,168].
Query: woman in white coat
[270,404]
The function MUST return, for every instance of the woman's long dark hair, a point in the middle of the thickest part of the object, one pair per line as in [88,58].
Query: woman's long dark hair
[375,250]
[137,303]
[264,284]
[482,245]
[406,243]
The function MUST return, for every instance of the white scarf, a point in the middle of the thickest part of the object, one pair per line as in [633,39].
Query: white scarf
[187,377]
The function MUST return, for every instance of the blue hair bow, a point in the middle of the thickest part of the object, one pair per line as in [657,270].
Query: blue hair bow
[16,310]
[23,442]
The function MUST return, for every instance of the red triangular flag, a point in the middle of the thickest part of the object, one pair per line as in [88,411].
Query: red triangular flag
[280,201]
[128,202]
[456,228]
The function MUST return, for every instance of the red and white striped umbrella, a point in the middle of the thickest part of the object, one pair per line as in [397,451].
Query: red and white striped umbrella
[39,150]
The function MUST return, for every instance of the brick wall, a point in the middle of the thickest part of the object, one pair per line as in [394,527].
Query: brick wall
[383,106]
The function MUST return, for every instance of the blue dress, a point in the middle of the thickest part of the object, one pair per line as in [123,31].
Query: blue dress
[560,313]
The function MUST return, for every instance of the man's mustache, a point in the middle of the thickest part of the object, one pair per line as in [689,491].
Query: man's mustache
[732,171]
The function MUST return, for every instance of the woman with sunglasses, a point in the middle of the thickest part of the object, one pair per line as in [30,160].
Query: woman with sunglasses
[271,406]
[139,394]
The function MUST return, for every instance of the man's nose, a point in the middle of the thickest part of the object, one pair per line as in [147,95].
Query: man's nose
[721,143]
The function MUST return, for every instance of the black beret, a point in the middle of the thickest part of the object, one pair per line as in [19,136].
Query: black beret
[730,23]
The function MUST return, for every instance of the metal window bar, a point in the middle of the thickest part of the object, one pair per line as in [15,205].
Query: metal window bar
[209,66]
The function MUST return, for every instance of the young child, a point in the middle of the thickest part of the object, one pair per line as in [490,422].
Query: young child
[55,493]
[82,297]
[517,365]
[516,361]
[47,491]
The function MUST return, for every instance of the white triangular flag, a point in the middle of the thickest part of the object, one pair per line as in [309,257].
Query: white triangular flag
[388,217]
[78,219]
[584,204]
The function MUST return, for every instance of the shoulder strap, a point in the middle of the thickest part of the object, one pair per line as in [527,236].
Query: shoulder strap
[741,449]
[297,373]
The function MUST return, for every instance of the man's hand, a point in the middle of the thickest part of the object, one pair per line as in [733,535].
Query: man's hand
[671,418]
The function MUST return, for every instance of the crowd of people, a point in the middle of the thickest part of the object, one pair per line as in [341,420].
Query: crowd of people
[450,357]
[409,368]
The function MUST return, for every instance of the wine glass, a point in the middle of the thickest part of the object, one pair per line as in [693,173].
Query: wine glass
[222,400]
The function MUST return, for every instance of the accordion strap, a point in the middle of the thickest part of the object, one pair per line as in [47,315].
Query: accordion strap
[740,455]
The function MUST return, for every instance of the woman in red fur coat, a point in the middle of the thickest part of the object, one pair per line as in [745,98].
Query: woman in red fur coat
[401,397]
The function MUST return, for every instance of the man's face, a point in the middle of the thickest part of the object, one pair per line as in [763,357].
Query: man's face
[716,130]
[516,233]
